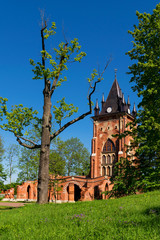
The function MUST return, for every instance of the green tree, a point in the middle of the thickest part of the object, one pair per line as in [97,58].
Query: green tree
[28,164]
[3,175]
[50,70]
[56,163]
[124,178]
[77,157]
[146,78]
[12,153]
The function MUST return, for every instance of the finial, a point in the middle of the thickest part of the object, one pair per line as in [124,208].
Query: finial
[123,100]
[134,108]
[120,93]
[103,97]
[128,102]
[97,107]
[115,71]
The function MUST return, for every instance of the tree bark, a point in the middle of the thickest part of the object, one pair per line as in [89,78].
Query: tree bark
[43,176]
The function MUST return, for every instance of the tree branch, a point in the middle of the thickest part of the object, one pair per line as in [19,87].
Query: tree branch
[27,140]
[57,77]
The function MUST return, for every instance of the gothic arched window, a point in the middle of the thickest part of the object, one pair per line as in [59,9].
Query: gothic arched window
[108,171]
[108,159]
[113,159]
[103,159]
[109,146]
[103,171]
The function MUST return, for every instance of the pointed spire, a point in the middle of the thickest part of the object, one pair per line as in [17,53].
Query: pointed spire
[103,97]
[134,112]
[128,101]
[96,109]
[120,93]
[134,108]
[123,100]
[103,101]
[97,104]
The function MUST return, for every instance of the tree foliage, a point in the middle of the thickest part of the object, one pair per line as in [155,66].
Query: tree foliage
[28,164]
[3,175]
[12,153]
[56,163]
[76,156]
[146,79]
[124,178]
[143,173]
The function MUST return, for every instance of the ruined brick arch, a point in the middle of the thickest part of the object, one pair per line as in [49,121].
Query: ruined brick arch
[29,189]
[74,182]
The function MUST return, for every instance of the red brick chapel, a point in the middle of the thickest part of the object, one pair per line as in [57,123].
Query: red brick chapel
[106,150]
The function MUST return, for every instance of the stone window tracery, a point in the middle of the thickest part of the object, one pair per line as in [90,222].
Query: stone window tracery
[109,146]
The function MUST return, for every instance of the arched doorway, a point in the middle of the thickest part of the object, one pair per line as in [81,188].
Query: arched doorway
[77,192]
[97,194]
[29,192]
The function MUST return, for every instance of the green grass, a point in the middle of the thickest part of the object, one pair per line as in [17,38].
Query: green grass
[134,217]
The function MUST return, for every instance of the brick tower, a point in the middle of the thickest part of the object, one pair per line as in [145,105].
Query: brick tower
[111,120]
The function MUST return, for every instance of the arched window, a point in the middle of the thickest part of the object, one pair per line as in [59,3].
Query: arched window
[109,146]
[103,159]
[103,171]
[108,171]
[113,159]
[108,159]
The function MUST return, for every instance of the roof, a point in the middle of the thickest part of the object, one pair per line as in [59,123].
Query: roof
[112,102]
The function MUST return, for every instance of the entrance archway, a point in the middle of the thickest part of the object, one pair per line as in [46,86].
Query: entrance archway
[77,192]
[97,194]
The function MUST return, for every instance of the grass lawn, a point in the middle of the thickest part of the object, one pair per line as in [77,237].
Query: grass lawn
[134,217]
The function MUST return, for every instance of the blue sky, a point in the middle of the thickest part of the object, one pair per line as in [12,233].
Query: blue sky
[101,28]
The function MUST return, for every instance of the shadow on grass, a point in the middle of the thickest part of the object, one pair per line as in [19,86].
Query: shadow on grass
[6,208]
[153,211]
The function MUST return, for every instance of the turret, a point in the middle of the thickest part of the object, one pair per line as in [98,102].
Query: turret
[103,102]
[96,109]
[134,112]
